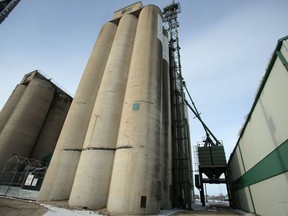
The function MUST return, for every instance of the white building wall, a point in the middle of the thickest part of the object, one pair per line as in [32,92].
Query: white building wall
[267,128]
[265,131]
[245,200]
[236,165]
[271,196]
[284,49]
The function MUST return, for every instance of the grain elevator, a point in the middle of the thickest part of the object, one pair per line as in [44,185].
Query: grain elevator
[32,118]
[115,148]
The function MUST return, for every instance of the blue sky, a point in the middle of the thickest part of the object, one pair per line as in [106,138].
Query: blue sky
[225,48]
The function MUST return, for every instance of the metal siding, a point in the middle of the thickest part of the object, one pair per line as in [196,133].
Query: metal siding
[235,166]
[245,201]
[277,102]
[265,131]
[272,192]
[272,165]
[205,156]
[255,136]
[284,49]
[267,127]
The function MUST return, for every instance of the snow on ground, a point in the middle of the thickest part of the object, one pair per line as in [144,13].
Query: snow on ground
[56,211]
[169,212]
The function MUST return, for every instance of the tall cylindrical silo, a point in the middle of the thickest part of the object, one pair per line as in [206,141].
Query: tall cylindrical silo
[96,161]
[61,172]
[134,187]
[10,105]
[22,129]
[166,157]
[49,134]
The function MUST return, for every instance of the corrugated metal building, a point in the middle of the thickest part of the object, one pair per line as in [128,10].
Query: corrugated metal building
[259,163]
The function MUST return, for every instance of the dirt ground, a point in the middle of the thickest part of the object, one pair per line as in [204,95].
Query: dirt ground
[16,207]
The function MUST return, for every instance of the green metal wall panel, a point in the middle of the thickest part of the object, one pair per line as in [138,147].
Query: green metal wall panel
[218,156]
[273,164]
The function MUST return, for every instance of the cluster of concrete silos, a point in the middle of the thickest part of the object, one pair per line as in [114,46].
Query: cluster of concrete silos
[32,118]
[114,150]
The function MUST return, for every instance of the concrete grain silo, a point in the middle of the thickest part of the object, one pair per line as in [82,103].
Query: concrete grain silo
[166,154]
[61,172]
[32,119]
[135,185]
[51,129]
[21,130]
[10,105]
[97,155]
[115,148]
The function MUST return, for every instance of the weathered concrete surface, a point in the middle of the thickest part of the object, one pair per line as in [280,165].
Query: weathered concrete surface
[23,127]
[10,105]
[15,207]
[135,185]
[100,142]
[61,172]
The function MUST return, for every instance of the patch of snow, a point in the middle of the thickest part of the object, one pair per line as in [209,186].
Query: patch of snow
[55,211]
[168,212]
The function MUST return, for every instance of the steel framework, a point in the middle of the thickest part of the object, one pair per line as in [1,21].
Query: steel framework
[18,169]
[6,6]
[182,183]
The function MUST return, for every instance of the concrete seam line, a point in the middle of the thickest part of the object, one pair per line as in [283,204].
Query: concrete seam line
[71,149]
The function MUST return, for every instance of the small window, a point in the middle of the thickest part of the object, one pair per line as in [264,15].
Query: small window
[143,202]
[136,106]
